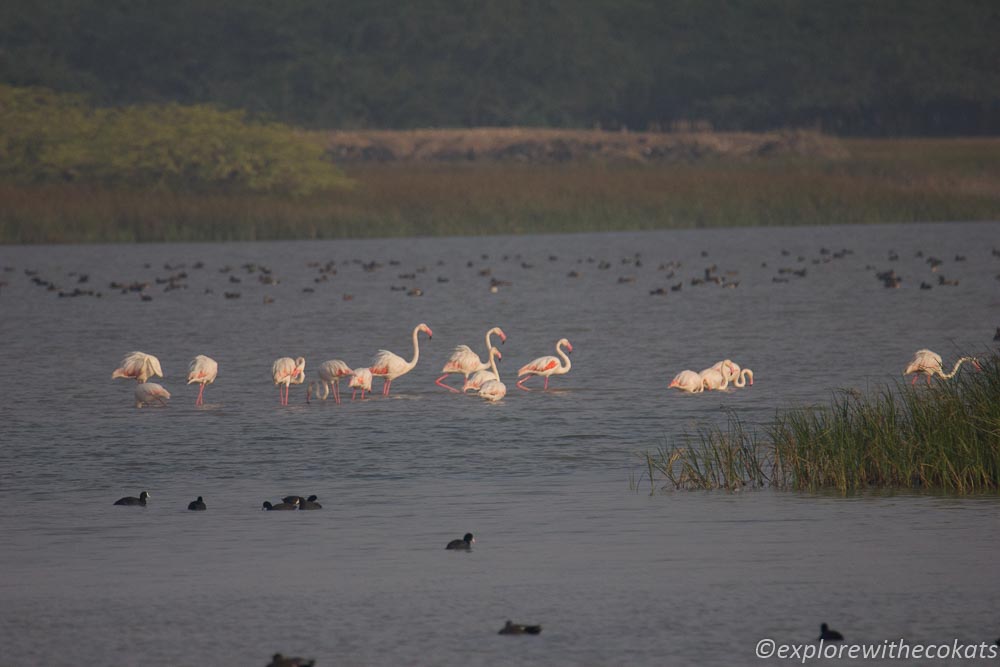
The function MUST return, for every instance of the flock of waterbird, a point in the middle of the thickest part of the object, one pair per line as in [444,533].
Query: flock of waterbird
[480,376]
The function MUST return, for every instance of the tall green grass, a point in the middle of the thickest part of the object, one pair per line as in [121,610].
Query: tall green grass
[945,438]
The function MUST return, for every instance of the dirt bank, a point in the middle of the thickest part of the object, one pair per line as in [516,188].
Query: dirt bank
[551,146]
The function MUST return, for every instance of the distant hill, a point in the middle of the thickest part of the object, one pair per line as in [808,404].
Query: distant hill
[885,67]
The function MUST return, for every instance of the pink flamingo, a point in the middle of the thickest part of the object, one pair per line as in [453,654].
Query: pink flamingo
[286,371]
[477,379]
[148,392]
[688,381]
[388,365]
[362,379]
[546,366]
[138,366]
[463,360]
[202,370]
[929,363]
[330,373]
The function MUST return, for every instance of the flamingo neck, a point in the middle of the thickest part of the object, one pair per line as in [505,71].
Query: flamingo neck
[562,355]
[741,379]
[493,362]
[416,347]
[954,370]
[489,341]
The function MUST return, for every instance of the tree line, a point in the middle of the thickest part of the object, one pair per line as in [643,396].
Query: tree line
[853,67]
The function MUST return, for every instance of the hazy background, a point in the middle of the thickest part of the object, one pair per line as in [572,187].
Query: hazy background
[895,67]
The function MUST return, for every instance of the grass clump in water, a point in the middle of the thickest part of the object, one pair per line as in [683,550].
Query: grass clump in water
[945,437]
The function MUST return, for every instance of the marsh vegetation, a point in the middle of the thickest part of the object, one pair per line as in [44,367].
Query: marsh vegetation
[945,437]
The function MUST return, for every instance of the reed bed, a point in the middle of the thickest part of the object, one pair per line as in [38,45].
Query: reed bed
[880,181]
[945,437]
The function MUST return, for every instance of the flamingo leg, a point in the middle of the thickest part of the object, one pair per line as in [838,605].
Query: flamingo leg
[546,387]
[336,391]
[439,383]
[524,379]
[201,392]
[385,387]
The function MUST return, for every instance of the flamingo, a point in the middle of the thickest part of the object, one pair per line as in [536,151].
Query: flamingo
[729,368]
[688,381]
[463,360]
[546,366]
[148,392]
[362,379]
[741,379]
[929,363]
[330,373]
[286,371]
[202,370]
[714,379]
[493,390]
[138,366]
[388,365]
[475,381]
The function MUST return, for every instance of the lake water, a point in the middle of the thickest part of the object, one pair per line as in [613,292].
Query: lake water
[545,480]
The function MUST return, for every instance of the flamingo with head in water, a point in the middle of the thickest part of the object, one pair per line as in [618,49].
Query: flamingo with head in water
[362,379]
[202,370]
[688,381]
[477,379]
[138,366]
[546,366]
[389,365]
[929,363]
[287,371]
[714,379]
[465,361]
[148,393]
[330,373]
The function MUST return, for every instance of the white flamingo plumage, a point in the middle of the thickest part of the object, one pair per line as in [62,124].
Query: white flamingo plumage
[930,363]
[202,370]
[714,379]
[147,393]
[546,366]
[475,381]
[361,379]
[286,371]
[138,366]
[741,378]
[330,373]
[688,381]
[465,361]
[729,367]
[389,365]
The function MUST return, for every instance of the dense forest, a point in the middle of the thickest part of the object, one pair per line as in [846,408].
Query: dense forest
[850,67]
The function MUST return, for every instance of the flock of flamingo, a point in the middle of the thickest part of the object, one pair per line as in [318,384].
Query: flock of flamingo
[479,376]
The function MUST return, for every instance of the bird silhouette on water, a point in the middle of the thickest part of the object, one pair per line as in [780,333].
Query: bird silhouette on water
[464,544]
[510,628]
[278,660]
[132,500]
[281,506]
[198,504]
[826,634]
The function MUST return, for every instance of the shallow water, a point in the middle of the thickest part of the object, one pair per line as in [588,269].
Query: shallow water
[614,575]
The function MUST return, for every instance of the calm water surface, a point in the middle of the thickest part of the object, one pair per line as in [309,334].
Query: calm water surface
[615,576]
